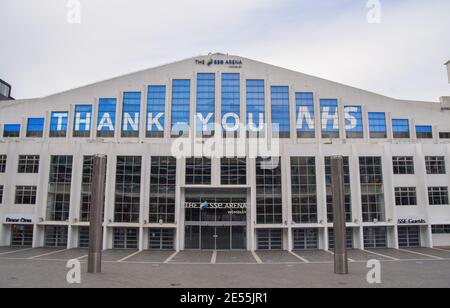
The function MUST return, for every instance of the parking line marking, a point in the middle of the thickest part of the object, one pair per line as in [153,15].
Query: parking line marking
[47,254]
[422,254]
[299,257]
[82,257]
[171,257]
[330,252]
[214,257]
[382,255]
[257,258]
[130,256]
[19,250]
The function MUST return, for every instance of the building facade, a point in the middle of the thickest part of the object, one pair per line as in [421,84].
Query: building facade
[168,186]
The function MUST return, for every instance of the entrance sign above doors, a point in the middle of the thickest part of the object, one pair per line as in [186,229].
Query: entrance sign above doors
[215,205]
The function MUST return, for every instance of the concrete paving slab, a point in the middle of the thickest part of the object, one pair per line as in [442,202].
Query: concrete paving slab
[235,257]
[151,256]
[277,257]
[193,257]
[315,255]
[67,254]
[116,254]
[395,253]
[360,255]
[430,251]
[7,249]
[24,254]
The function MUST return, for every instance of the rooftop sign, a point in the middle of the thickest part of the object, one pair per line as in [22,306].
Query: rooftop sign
[232,63]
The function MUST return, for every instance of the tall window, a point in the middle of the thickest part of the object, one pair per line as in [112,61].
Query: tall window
[353,122]
[58,124]
[198,171]
[28,164]
[438,195]
[86,183]
[348,196]
[435,164]
[25,195]
[329,116]
[11,131]
[131,114]
[128,189]
[424,132]
[281,118]
[162,190]
[256,112]
[377,125]
[125,238]
[400,128]
[269,208]
[205,115]
[231,103]
[306,127]
[1,194]
[233,171]
[403,164]
[372,194]
[60,179]
[82,121]
[156,104]
[304,189]
[106,122]
[2,163]
[405,196]
[35,127]
[181,99]
[56,236]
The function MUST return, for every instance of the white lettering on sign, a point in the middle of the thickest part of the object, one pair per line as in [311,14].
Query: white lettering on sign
[105,122]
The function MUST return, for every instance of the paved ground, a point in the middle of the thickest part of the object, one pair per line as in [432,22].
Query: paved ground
[43,267]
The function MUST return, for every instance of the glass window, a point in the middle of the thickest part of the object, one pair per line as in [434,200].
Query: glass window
[205,114]
[1,194]
[405,196]
[28,164]
[377,125]
[86,185]
[60,179]
[106,121]
[269,239]
[348,196]
[233,171]
[435,164]
[269,206]
[329,118]
[83,237]
[281,118]
[82,121]
[2,163]
[403,164]
[11,131]
[372,194]
[348,238]
[256,114]
[25,195]
[424,132]
[231,103]
[444,135]
[128,189]
[306,239]
[440,229]
[35,127]
[306,127]
[438,195]
[353,122]
[181,98]
[21,235]
[125,238]
[409,236]
[198,171]
[304,190]
[55,236]
[161,239]
[375,237]
[162,189]
[156,104]
[400,128]
[58,124]
[131,114]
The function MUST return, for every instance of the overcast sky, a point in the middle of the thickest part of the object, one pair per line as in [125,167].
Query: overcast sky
[403,57]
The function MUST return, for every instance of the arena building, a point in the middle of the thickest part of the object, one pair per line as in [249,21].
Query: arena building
[221,152]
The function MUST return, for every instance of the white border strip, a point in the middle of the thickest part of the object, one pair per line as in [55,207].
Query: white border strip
[422,254]
[130,256]
[382,255]
[171,257]
[47,254]
[257,258]
[299,257]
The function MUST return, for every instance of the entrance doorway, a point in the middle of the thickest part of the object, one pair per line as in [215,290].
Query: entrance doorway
[216,219]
